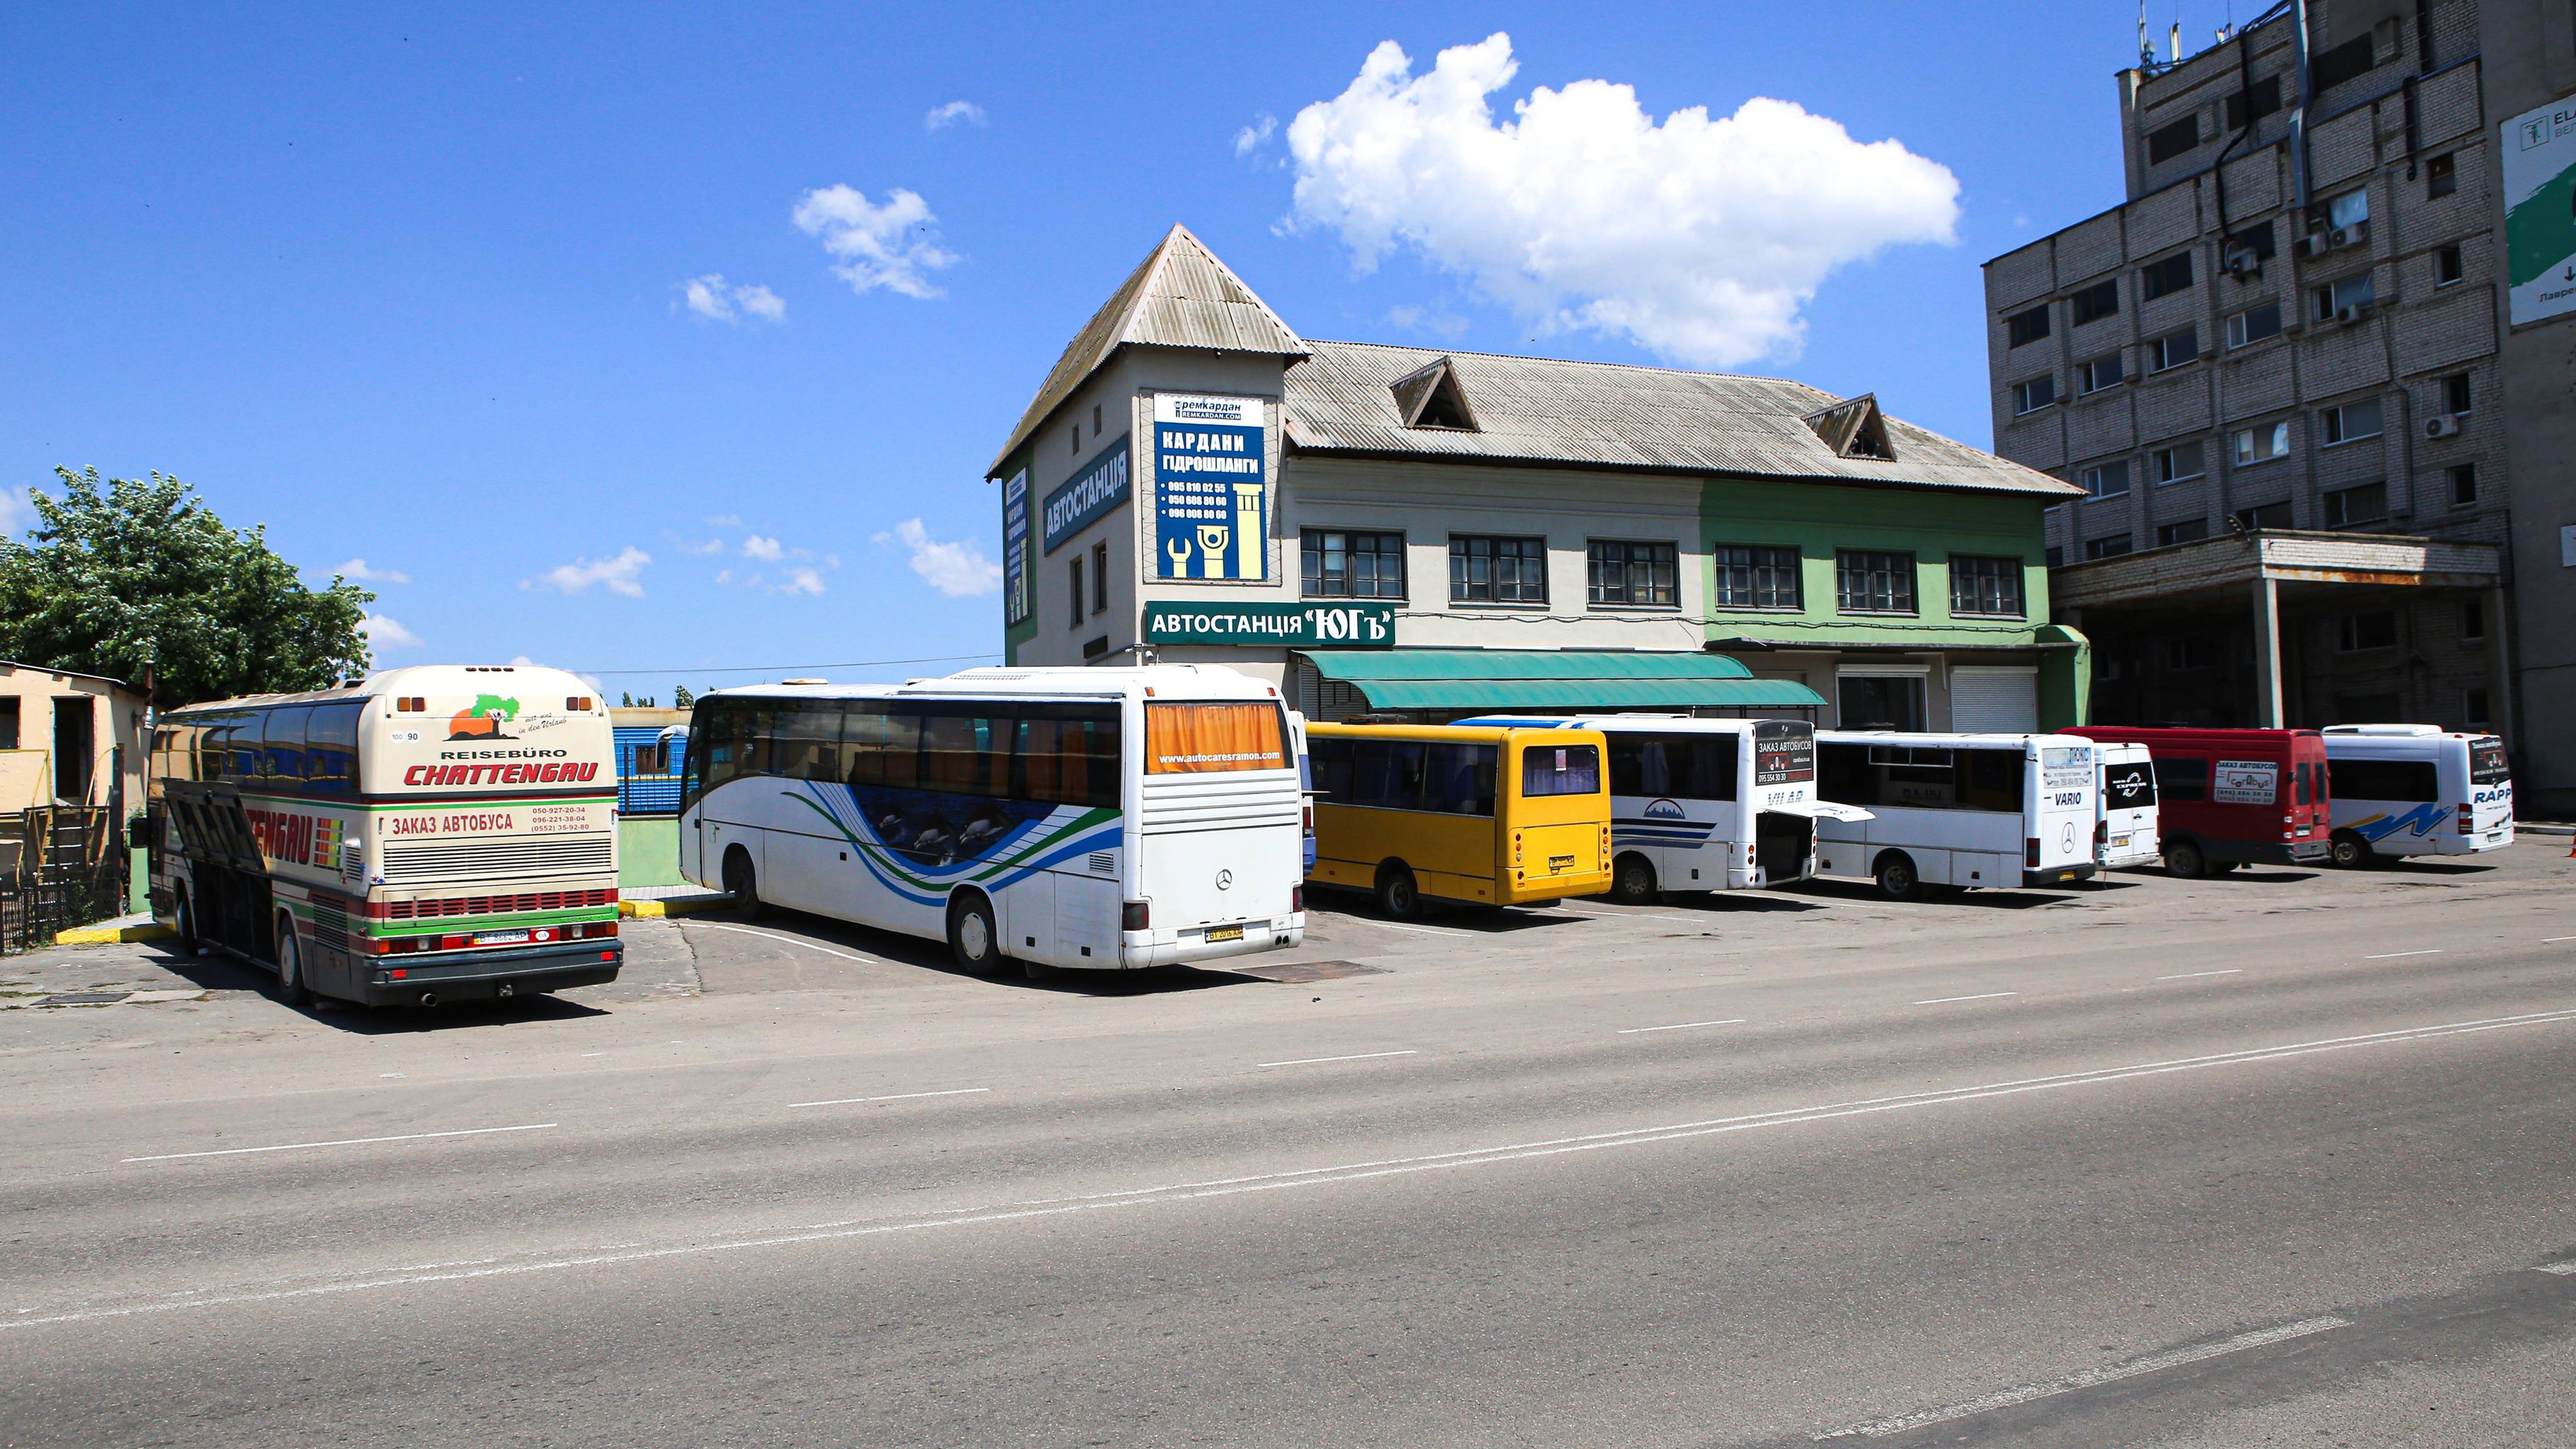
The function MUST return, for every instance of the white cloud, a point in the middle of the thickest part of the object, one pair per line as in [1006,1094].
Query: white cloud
[802,580]
[767,550]
[958,570]
[723,520]
[617,575]
[893,246]
[711,297]
[711,546]
[1698,239]
[356,571]
[17,515]
[384,633]
[1447,326]
[1253,135]
[955,113]
[724,576]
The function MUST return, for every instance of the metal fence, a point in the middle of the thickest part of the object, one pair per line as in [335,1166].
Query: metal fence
[60,867]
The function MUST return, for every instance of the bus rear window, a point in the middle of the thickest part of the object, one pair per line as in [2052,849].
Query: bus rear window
[2487,764]
[1561,770]
[1184,739]
[2130,786]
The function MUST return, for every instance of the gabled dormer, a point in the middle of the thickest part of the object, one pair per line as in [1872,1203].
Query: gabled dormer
[1430,397]
[1854,429]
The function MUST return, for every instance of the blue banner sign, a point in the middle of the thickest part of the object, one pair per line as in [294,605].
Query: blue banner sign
[1015,548]
[1098,488]
[1211,488]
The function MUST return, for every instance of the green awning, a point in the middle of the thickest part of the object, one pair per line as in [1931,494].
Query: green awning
[1553,679]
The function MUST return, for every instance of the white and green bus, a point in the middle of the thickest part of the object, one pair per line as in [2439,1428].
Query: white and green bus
[434,834]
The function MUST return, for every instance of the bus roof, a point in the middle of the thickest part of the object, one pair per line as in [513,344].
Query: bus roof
[1149,681]
[1474,734]
[445,679]
[1939,739]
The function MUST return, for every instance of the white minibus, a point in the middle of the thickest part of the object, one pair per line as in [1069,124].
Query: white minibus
[1093,818]
[1956,809]
[1705,804]
[2401,789]
[2124,832]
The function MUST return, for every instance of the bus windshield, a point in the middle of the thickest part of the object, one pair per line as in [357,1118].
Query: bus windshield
[1561,770]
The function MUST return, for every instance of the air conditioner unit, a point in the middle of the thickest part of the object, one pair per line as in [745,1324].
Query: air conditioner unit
[2442,426]
[2316,244]
[2348,314]
[2353,235]
[2243,263]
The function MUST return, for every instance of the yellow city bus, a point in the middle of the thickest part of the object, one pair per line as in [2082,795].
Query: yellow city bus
[1485,816]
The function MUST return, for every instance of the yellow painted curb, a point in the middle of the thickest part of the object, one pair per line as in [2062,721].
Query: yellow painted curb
[686,906]
[112,935]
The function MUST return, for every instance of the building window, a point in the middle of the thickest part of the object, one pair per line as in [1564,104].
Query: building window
[2456,398]
[2111,547]
[2348,61]
[1985,586]
[1880,701]
[2095,302]
[2254,103]
[2256,241]
[2348,210]
[2189,530]
[2464,485]
[2473,621]
[2262,444]
[1074,565]
[2267,515]
[2374,630]
[1341,564]
[1076,440]
[1095,420]
[1100,578]
[2351,422]
[2181,461]
[1636,574]
[1487,570]
[2105,480]
[2101,372]
[2448,266]
[1756,578]
[2473,709]
[2166,142]
[2330,301]
[2356,507]
[2441,177]
[2173,349]
[2173,274]
[2056,556]
[2028,327]
[2031,396]
[2254,324]
[1873,583]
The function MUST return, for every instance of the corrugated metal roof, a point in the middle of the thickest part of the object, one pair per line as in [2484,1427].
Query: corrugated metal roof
[1570,679]
[1545,410]
[1180,296]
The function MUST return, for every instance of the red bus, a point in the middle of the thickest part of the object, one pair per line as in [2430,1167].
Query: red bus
[2227,798]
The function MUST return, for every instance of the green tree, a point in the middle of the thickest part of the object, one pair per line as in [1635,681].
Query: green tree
[120,573]
[680,697]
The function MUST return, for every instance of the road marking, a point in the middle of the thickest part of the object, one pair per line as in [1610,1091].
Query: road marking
[2195,975]
[1680,1026]
[787,941]
[2563,1270]
[897,1097]
[2554,940]
[1355,1057]
[1419,930]
[1980,996]
[1629,915]
[1180,1192]
[2088,1378]
[2393,955]
[342,1142]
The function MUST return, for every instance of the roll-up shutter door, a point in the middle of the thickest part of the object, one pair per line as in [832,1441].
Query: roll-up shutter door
[2005,702]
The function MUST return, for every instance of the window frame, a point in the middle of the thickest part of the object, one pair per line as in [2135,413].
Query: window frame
[1459,585]
[2088,379]
[2239,326]
[2245,457]
[2348,631]
[2022,394]
[2156,278]
[2442,176]
[2020,331]
[2334,422]
[2088,479]
[2085,304]
[1596,569]
[2454,261]
[1976,570]
[2158,459]
[2160,358]
[1314,584]
[1911,604]
[2097,549]
[1755,565]
[2334,505]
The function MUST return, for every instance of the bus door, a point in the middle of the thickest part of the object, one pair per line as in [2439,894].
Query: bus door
[2063,806]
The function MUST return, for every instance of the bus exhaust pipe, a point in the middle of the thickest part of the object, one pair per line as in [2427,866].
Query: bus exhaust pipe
[429,998]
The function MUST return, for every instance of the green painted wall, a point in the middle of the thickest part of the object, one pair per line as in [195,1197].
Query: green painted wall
[648,851]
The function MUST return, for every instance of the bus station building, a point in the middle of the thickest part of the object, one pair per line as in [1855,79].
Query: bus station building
[1430,534]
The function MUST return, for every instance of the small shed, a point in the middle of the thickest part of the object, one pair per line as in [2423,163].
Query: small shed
[69,738]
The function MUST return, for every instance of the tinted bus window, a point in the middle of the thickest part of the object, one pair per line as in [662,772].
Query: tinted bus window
[883,747]
[2306,784]
[965,754]
[1193,738]
[1387,774]
[2413,781]
[1561,770]
[1459,779]
[331,748]
[282,752]
[2129,786]
[809,741]
[2182,777]
[1066,756]
[2488,765]
[1696,766]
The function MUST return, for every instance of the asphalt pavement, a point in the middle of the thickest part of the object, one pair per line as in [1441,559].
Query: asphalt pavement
[2281,1157]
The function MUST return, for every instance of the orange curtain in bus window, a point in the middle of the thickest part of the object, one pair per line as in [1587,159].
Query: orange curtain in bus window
[1192,738]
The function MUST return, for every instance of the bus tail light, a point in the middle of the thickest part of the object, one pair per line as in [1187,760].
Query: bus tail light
[2101,835]
[2468,821]
[1136,916]
[1310,817]
[2030,852]
[1297,899]
[1516,847]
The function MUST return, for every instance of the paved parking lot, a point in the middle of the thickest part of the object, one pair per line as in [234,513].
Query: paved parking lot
[2266,1158]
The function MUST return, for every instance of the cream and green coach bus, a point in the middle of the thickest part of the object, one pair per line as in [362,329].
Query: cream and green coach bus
[434,834]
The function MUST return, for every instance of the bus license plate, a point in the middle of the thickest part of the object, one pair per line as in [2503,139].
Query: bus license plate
[2120,842]
[1557,863]
[1225,933]
[500,938]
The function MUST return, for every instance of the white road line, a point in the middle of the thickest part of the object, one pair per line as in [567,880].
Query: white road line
[1419,930]
[2196,975]
[2152,1363]
[897,1097]
[1980,996]
[341,1142]
[2393,955]
[1679,1026]
[1180,1192]
[2563,1270]
[786,940]
[2554,940]
[1629,915]
[1354,1057]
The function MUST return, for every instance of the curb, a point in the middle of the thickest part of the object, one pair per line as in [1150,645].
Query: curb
[113,935]
[678,906]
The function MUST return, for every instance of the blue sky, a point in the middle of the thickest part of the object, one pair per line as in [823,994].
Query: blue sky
[410,284]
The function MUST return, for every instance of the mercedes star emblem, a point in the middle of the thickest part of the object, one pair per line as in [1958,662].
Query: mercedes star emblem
[1225,880]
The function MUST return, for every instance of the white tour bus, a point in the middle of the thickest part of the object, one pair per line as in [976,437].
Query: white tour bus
[1705,804]
[2401,789]
[1957,810]
[1058,817]
[2124,831]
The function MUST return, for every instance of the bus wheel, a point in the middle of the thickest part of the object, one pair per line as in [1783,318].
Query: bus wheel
[2349,851]
[291,989]
[1896,877]
[742,883]
[1397,894]
[972,938]
[2183,858]
[187,932]
[1632,881]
